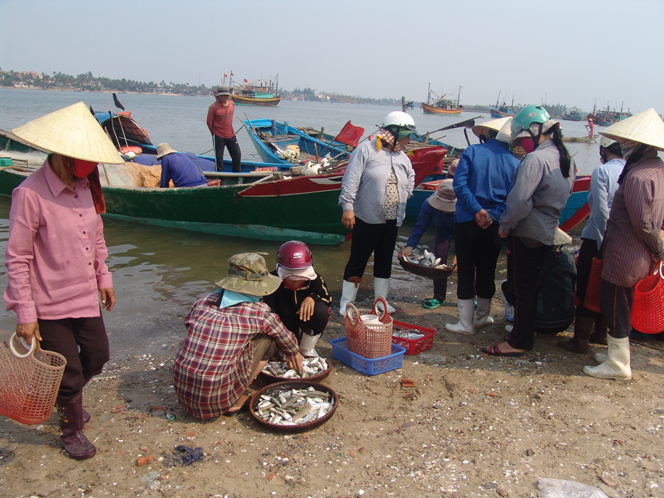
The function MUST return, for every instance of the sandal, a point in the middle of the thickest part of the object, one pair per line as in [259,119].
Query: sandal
[495,351]
[432,303]
[240,406]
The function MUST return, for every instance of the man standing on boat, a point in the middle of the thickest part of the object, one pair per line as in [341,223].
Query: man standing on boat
[220,124]
[591,128]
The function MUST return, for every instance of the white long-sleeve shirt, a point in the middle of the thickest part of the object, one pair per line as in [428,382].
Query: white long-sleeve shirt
[603,186]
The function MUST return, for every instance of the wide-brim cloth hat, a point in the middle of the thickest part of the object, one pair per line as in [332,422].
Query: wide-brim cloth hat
[164,149]
[493,124]
[248,275]
[445,199]
[561,238]
[645,127]
[71,132]
[222,90]
[534,127]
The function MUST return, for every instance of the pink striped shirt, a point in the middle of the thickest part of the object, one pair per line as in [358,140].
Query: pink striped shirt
[56,250]
[632,232]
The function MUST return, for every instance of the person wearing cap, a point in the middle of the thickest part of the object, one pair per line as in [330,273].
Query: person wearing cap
[178,168]
[378,181]
[439,206]
[603,186]
[56,254]
[542,184]
[231,335]
[633,244]
[302,301]
[482,181]
[220,123]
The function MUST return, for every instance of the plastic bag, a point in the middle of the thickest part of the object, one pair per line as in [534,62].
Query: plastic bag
[559,488]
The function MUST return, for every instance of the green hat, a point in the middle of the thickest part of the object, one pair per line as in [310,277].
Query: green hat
[248,275]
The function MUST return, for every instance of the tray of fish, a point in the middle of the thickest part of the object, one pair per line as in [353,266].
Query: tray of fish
[313,369]
[415,338]
[425,265]
[293,405]
[407,334]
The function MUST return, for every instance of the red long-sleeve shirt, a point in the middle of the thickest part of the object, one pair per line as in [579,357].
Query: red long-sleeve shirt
[220,119]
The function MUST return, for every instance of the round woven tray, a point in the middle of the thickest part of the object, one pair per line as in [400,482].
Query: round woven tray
[275,389]
[314,378]
[425,271]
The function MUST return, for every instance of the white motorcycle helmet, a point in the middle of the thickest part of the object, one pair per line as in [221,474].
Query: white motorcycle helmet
[606,142]
[398,122]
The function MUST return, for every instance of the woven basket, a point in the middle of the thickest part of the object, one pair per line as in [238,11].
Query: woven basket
[29,384]
[594,285]
[369,340]
[648,308]
[425,271]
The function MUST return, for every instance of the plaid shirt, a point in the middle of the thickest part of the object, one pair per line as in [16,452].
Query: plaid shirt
[213,366]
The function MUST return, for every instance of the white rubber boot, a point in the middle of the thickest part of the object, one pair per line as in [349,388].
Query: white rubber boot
[348,295]
[482,318]
[466,312]
[381,288]
[601,357]
[617,366]
[308,345]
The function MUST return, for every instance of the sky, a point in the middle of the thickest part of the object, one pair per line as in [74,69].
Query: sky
[578,53]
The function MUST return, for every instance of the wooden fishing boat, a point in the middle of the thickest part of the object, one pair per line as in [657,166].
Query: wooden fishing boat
[503,112]
[129,136]
[273,138]
[252,93]
[303,208]
[441,105]
[572,116]
[581,140]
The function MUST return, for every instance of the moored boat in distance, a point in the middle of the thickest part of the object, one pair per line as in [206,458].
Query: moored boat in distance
[441,105]
[263,92]
[573,115]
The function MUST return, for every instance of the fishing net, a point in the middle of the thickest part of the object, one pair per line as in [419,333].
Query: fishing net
[30,380]
[369,335]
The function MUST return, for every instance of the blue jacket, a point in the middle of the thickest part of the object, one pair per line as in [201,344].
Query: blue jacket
[181,170]
[483,179]
[444,224]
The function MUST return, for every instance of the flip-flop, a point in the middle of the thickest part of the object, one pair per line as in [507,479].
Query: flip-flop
[244,399]
[432,303]
[495,351]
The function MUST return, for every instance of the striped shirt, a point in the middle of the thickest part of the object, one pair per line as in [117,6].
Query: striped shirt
[213,366]
[637,215]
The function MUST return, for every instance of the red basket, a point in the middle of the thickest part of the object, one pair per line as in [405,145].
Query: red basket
[648,308]
[369,341]
[414,346]
[594,285]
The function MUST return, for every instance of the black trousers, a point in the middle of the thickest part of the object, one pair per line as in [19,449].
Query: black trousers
[441,249]
[616,304]
[368,238]
[477,254]
[314,326]
[587,252]
[233,150]
[67,336]
[523,268]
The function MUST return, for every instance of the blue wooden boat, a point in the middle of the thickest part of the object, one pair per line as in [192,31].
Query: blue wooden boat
[271,138]
[129,136]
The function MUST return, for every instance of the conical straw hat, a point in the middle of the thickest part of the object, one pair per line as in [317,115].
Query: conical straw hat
[494,124]
[645,127]
[72,132]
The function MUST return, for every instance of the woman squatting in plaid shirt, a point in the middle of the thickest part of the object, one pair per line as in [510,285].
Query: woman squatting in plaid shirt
[231,334]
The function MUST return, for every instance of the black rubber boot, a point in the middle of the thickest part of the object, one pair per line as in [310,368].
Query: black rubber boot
[71,423]
[599,334]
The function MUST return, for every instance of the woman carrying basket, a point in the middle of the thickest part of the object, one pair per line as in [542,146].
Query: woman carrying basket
[55,257]
[633,244]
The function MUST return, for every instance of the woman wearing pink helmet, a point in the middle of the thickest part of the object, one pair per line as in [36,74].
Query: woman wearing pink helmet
[302,300]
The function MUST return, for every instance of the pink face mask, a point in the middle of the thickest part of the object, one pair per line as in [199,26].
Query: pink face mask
[527,144]
[83,168]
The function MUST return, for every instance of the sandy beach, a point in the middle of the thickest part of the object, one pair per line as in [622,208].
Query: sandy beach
[472,426]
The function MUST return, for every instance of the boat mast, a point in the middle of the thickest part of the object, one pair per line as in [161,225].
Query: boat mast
[459,96]
[429,95]
[498,99]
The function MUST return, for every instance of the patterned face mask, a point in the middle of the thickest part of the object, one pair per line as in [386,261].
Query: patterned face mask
[383,135]
[627,148]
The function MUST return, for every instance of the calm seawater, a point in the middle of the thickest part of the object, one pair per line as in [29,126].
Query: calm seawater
[158,273]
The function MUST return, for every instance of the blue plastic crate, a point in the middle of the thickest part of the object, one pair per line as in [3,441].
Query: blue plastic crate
[368,366]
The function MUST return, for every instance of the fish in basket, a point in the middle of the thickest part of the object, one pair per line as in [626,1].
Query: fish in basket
[425,265]
[314,369]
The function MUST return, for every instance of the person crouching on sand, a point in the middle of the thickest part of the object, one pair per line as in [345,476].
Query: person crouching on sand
[231,335]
